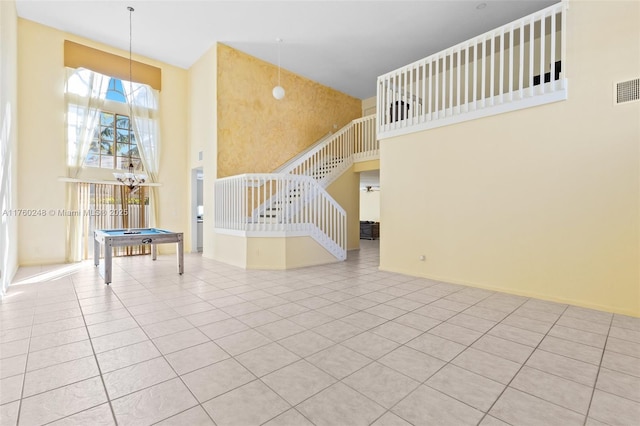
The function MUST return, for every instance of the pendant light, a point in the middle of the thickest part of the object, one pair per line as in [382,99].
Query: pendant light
[130,179]
[278,91]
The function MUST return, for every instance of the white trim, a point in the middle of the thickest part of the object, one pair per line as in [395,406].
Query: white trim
[546,98]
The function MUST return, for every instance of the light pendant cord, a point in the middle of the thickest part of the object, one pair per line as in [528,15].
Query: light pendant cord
[279,41]
[130,100]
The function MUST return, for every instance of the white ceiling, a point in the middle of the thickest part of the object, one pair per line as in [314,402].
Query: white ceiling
[341,44]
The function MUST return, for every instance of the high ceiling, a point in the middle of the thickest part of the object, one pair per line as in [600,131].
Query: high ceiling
[341,44]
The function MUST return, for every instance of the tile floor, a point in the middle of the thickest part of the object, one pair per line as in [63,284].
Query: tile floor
[343,344]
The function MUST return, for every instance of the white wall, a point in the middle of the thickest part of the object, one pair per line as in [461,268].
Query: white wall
[8,142]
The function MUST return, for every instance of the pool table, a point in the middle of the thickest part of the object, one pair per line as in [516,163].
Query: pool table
[133,237]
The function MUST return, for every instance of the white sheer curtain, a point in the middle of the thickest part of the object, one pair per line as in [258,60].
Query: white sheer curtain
[144,101]
[85,93]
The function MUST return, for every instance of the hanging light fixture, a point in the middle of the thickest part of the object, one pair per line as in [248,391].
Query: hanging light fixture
[278,91]
[129,178]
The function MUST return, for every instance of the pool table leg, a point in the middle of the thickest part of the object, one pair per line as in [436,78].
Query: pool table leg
[180,254]
[108,254]
[154,251]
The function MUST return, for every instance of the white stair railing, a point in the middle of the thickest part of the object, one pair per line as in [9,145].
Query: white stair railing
[327,160]
[256,205]
[517,65]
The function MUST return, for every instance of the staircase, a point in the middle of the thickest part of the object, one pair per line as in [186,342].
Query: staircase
[293,200]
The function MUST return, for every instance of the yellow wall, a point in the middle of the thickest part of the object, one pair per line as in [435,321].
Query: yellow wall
[203,136]
[345,190]
[370,206]
[270,252]
[8,142]
[257,133]
[541,202]
[42,145]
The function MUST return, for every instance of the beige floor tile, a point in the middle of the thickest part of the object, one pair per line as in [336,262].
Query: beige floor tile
[622,363]
[118,340]
[397,332]
[337,330]
[485,364]
[195,416]
[381,384]
[515,407]
[223,328]
[426,406]
[338,361]
[624,347]
[207,317]
[620,384]
[243,341]
[554,389]
[153,404]
[289,418]
[137,376]
[472,323]
[9,413]
[251,404]
[390,419]
[258,318]
[97,416]
[306,343]
[614,410]
[62,402]
[436,346]
[339,404]
[503,348]
[419,322]
[371,345]
[59,354]
[567,368]
[110,327]
[463,385]
[181,340]
[127,355]
[571,349]
[266,359]
[196,357]
[280,329]
[11,389]
[164,328]
[56,339]
[14,348]
[216,379]
[410,362]
[59,375]
[12,366]
[518,335]
[298,381]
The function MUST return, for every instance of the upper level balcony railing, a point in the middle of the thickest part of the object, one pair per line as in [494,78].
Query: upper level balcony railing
[518,65]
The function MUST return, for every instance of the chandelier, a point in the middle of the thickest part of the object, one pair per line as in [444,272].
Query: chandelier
[129,178]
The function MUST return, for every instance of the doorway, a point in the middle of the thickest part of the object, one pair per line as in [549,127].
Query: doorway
[197,209]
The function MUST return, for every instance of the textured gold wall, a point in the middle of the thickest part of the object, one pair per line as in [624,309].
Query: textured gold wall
[257,133]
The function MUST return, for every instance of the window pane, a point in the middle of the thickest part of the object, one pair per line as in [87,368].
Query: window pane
[123,149]
[92,160]
[122,122]
[94,148]
[106,119]
[106,133]
[106,148]
[106,162]
[123,136]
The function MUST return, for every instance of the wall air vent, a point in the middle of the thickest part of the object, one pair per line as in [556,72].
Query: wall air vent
[627,91]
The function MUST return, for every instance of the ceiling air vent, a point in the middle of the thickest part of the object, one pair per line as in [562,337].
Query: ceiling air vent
[627,91]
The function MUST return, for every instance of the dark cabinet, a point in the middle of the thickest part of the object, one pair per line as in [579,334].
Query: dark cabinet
[369,230]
